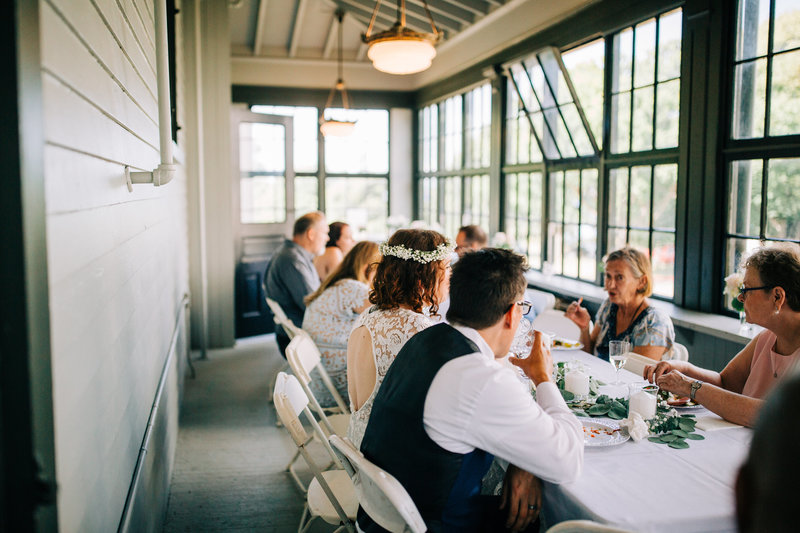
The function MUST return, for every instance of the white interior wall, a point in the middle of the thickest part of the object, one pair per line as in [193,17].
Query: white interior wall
[118,261]
[401,162]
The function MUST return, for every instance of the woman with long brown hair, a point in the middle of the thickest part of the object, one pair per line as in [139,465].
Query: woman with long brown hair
[331,312]
[411,280]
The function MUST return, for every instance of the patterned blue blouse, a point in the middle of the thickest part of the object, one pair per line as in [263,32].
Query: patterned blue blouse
[651,328]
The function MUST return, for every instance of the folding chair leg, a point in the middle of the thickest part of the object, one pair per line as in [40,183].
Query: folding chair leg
[304,525]
[293,474]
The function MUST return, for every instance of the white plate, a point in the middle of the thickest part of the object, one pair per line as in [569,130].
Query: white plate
[577,345]
[604,434]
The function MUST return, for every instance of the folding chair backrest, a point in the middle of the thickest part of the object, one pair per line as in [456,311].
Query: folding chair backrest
[381,496]
[290,400]
[281,319]
[303,356]
[678,352]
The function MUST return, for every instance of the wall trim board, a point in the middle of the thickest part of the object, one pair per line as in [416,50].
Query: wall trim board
[253,94]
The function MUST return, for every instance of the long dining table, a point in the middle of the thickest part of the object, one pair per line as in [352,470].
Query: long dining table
[649,487]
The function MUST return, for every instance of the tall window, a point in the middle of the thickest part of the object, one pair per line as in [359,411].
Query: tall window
[356,168]
[763,193]
[453,184]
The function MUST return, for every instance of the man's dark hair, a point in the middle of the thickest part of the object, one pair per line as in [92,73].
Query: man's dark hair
[302,224]
[483,286]
[473,233]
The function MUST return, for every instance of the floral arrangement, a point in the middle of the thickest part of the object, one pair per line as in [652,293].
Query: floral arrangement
[442,251]
[731,290]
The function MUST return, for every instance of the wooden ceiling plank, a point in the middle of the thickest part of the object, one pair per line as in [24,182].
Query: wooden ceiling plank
[261,29]
[441,9]
[478,7]
[416,18]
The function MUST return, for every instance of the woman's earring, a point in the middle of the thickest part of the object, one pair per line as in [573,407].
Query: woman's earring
[777,310]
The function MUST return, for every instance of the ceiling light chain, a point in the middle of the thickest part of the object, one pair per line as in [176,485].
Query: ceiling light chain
[339,128]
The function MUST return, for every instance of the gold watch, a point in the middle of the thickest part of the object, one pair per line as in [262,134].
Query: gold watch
[696,384]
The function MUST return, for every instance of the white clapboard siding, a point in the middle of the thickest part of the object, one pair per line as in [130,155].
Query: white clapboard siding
[117,261]
[83,75]
[105,34]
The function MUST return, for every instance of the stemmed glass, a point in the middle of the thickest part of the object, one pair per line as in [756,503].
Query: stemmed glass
[523,342]
[618,354]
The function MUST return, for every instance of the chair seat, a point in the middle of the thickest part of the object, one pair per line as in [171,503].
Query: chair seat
[342,487]
[340,424]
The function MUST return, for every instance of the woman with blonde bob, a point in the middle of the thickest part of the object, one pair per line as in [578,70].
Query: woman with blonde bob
[332,310]
[626,315]
[770,294]
[411,280]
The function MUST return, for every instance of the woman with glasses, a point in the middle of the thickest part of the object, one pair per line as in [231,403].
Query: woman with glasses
[626,315]
[770,293]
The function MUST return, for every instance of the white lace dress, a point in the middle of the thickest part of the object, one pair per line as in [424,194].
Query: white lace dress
[389,331]
[329,319]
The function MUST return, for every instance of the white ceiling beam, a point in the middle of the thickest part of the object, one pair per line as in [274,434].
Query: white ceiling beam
[330,41]
[297,29]
[261,24]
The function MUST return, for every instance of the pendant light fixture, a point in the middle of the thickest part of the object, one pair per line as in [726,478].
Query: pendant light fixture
[337,128]
[400,50]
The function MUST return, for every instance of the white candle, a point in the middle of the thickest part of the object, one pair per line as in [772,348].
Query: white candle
[577,383]
[643,403]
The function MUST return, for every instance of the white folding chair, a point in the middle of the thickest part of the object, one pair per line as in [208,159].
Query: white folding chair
[303,357]
[331,495]
[585,526]
[381,496]
[281,319]
[678,352]
[552,320]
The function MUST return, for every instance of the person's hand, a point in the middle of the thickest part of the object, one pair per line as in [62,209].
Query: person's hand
[538,366]
[675,382]
[522,495]
[578,314]
[652,372]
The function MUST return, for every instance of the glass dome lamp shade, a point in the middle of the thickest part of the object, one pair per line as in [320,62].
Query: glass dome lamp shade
[336,128]
[401,50]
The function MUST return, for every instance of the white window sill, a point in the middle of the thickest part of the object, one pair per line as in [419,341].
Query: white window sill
[719,326]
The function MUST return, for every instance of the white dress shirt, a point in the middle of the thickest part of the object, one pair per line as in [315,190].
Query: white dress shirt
[476,402]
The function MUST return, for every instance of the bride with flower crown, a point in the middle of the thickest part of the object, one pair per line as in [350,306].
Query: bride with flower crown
[411,280]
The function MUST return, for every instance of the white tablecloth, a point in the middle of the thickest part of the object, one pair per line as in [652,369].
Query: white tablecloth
[651,487]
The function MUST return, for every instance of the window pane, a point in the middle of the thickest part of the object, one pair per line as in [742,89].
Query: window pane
[783,199]
[665,194]
[618,197]
[586,67]
[306,194]
[669,45]
[556,196]
[262,199]
[572,196]
[305,126]
[453,114]
[749,99]
[787,25]
[784,118]
[663,262]
[639,239]
[262,147]
[616,239]
[644,68]
[555,242]
[642,119]
[571,251]
[361,202]
[555,77]
[623,61]
[744,210]
[640,197]
[576,128]
[589,197]
[366,150]
[588,252]
[512,141]
[667,114]
[752,29]
[620,122]
[451,216]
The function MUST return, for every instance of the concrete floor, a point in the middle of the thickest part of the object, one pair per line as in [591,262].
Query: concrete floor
[230,459]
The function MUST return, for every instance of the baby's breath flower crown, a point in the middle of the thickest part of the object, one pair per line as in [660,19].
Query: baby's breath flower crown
[442,251]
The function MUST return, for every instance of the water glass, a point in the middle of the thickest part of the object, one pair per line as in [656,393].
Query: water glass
[618,354]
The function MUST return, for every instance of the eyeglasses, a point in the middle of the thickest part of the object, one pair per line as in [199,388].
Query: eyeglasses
[744,290]
[525,305]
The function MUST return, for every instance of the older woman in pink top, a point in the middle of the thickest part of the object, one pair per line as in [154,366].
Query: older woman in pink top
[771,297]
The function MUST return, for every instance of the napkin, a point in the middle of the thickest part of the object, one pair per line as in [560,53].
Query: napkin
[636,363]
[636,426]
[712,422]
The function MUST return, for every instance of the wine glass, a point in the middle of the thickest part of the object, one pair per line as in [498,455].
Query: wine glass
[523,342]
[618,354]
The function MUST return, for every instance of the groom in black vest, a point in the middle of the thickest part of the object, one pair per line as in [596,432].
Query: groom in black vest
[448,405]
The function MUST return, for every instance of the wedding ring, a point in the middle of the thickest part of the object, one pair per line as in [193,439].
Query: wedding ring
[533,507]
